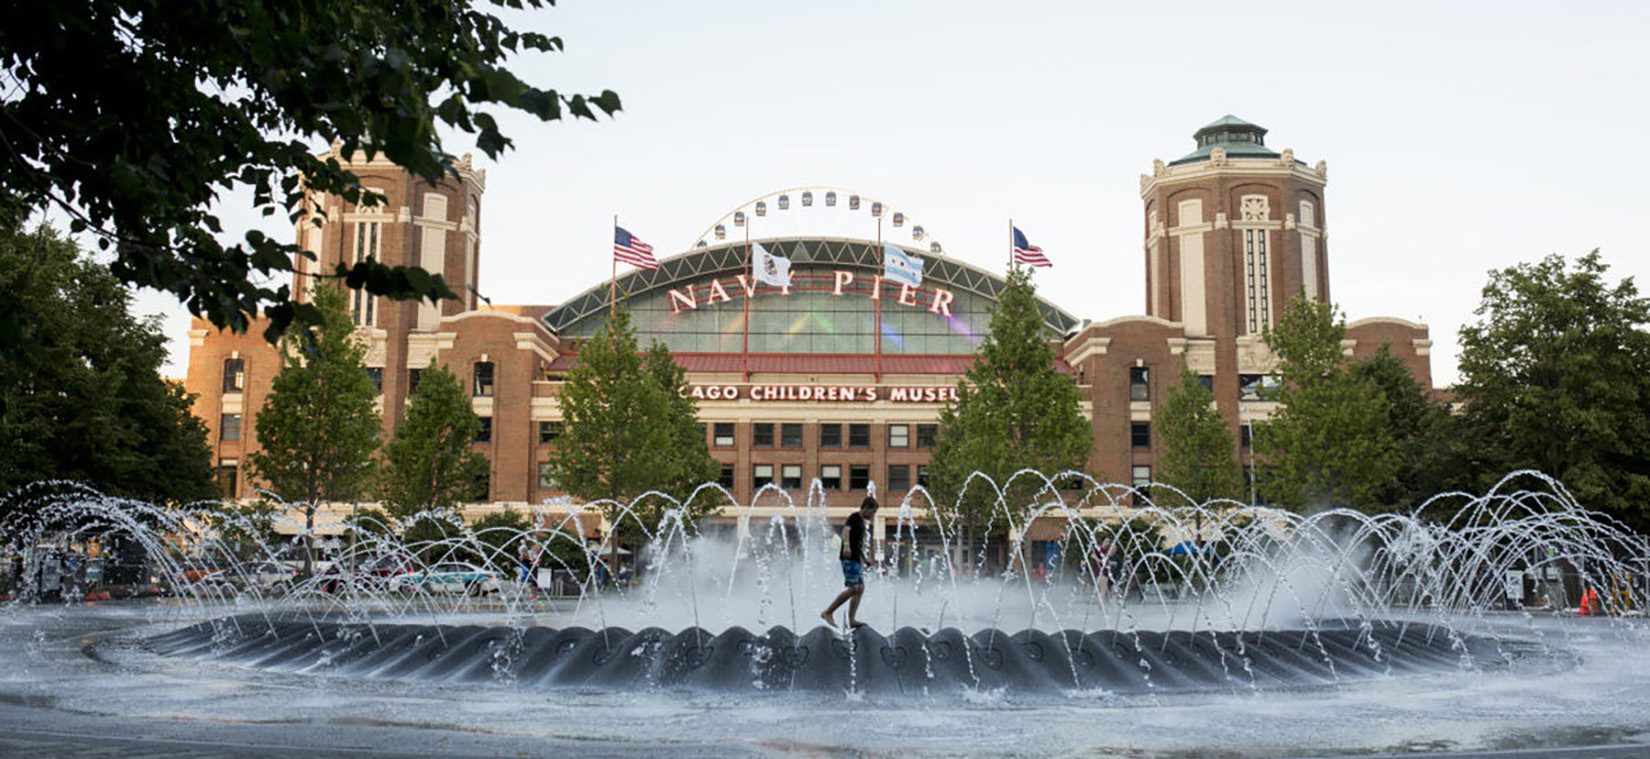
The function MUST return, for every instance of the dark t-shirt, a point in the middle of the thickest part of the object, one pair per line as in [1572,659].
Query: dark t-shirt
[855,550]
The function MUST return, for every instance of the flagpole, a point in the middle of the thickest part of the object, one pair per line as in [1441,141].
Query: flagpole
[1011,244]
[613,283]
[876,303]
[750,289]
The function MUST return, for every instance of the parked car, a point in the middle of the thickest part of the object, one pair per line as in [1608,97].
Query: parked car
[447,577]
[363,574]
[263,576]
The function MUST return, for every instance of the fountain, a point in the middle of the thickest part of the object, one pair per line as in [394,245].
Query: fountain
[1135,597]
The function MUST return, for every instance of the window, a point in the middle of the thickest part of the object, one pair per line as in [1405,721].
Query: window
[482,387]
[546,480]
[484,433]
[922,475]
[229,427]
[1258,387]
[1139,384]
[1140,477]
[722,434]
[234,375]
[1246,436]
[375,374]
[926,434]
[1256,292]
[1140,434]
[549,431]
[859,436]
[830,477]
[761,474]
[899,436]
[859,477]
[725,479]
[762,436]
[413,376]
[790,476]
[229,479]
[1207,381]
[830,436]
[790,435]
[899,477]
[362,305]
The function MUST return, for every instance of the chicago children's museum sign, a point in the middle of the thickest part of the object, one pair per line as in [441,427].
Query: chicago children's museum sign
[824,393]
[691,297]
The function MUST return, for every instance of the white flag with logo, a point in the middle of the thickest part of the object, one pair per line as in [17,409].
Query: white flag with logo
[769,268]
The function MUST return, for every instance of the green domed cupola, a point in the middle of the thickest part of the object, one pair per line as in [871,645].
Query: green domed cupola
[1239,138]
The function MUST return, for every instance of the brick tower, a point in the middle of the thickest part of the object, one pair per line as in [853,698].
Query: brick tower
[1234,230]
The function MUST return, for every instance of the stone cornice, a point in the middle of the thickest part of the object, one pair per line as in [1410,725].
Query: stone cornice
[1164,175]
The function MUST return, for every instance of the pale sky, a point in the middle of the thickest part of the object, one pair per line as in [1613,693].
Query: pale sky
[1460,136]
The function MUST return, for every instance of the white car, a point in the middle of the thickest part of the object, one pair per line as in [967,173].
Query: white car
[263,576]
[448,577]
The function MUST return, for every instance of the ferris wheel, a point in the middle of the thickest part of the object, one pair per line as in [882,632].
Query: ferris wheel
[823,204]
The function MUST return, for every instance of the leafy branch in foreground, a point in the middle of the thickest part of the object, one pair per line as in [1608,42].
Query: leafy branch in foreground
[133,117]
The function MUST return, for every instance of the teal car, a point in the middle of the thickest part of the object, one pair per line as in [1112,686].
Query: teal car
[448,577]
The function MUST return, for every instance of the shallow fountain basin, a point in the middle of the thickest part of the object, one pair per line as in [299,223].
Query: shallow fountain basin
[909,661]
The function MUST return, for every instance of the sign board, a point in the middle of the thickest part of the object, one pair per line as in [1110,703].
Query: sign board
[824,393]
[691,297]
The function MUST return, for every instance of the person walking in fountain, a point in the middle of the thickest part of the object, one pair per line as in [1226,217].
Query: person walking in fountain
[854,540]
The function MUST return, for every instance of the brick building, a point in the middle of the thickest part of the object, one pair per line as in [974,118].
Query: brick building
[840,377]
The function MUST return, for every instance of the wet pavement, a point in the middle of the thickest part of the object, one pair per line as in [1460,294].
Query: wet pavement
[73,682]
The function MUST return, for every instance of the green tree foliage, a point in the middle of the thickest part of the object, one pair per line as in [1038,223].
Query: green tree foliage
[1198,455]
[499,538]
[133,116]
[247,530]
[628,428]
[1431,450]
[85,400]
[431,462]
[687,460]
[1555,375]
[1014,411]
[1329,444]
[318,427]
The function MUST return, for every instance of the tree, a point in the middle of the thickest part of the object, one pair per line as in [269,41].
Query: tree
[1198,455]
[1431,451]
[431,462]
[1328,444]
[132,116]
[498,539]
[1555,376]
[318,428]
[627,429]
[86,400]
[1013,411]
[686,462]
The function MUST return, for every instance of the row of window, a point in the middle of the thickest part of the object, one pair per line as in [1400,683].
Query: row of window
[1251,387]
[1140,434]
[858,435]
[831,476]
[789,476]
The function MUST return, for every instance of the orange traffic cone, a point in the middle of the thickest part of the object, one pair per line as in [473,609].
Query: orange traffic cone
[1589,603]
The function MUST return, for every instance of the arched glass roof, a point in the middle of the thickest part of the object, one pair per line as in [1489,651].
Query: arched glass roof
[821,313]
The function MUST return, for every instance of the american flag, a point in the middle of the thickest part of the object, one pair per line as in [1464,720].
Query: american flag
[631,250]
[1026,253]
